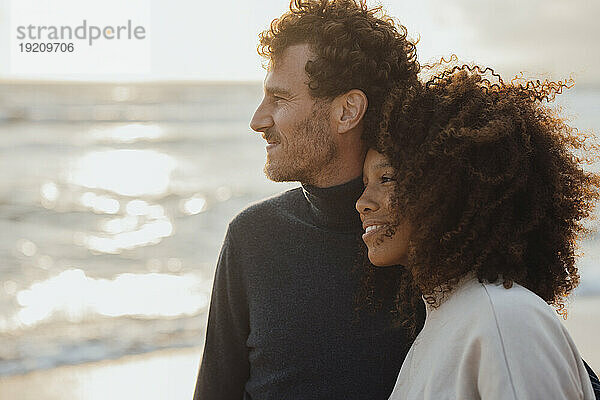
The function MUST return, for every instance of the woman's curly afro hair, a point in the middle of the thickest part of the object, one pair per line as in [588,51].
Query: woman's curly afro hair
[356,47]
[492,182]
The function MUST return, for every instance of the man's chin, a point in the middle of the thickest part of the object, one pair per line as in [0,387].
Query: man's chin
[274,174]
[277,173]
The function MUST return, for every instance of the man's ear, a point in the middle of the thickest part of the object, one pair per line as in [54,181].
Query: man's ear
[350,109]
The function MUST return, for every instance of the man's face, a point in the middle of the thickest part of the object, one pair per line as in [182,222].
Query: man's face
[295,125]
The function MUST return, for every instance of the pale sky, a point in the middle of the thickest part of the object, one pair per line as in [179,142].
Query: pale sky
[200,40]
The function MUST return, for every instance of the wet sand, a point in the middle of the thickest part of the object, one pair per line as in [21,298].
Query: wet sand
[583,323]
[171,374]
[166,374]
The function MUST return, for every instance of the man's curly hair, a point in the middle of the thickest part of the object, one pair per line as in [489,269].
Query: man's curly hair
[492,182]
[356,47]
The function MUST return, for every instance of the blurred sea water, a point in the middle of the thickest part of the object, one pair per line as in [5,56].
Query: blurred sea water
[114,200]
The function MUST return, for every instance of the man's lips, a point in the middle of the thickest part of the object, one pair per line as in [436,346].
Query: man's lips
[270,139]
[271,142]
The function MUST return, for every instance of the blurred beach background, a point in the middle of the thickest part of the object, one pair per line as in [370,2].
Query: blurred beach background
[116,190]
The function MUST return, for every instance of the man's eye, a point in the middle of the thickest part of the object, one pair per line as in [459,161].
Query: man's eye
[387,178]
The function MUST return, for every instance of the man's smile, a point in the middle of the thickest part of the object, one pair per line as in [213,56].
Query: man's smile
[271,146]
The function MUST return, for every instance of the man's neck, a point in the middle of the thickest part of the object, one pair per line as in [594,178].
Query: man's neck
[340,172]
[334,181]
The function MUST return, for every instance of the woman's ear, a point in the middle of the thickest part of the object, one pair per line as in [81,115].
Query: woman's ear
[349,110]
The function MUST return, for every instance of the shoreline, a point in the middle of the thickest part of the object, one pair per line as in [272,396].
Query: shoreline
[171,373]
[162,374]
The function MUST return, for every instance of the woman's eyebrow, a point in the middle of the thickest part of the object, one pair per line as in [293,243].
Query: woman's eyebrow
[382,164]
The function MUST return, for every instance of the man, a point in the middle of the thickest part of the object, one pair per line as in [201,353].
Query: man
[283,322]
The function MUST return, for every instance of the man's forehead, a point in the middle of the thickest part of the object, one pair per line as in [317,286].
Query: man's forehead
[292,57]
[291,62]
[286,80]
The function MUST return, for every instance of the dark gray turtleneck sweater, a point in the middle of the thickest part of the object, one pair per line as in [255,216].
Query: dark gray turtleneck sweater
[282,321]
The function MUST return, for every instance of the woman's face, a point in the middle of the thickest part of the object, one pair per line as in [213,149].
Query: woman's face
[385,236]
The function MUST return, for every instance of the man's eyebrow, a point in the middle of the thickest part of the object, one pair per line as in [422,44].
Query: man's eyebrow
[277,90]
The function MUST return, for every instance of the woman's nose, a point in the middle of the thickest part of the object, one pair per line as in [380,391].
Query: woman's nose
[366,203]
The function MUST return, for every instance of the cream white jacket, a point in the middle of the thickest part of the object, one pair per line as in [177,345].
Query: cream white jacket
[491,343]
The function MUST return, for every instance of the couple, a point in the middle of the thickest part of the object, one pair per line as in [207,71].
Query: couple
[470,205]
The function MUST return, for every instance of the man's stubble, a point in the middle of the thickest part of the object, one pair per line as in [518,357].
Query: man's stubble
[309,152]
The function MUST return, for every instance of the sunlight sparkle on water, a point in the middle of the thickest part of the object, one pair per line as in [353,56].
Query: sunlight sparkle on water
[194,205]
[141,207]
[100,204]
[146,224]
[119,225]
[74,295]
[150,233]
[129,133]
[49,194]
[125,172]
[27,247]
[49,191]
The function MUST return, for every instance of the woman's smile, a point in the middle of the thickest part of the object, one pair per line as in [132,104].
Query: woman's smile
[387,241]
[372,229]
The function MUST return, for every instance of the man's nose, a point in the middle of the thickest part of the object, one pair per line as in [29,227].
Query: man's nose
[365,203]
[261,120]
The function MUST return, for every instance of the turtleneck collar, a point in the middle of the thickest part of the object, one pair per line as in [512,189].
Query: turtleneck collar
[334,207]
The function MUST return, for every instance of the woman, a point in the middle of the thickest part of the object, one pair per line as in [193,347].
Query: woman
[475,190]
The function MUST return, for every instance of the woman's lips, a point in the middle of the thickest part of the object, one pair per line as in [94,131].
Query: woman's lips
[372,230]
